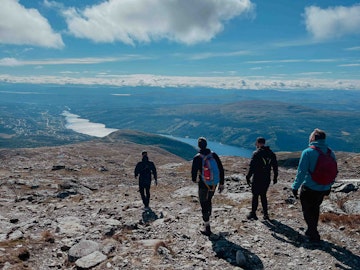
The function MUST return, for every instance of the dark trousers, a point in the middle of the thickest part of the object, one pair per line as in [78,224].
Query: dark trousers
[145,195]
[255,202]
[205,197]
[310,203]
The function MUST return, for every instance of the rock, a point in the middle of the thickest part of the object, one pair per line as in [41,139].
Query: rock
[83,248]
[58,167]
[352,207]
[70,225]
[90,260]
[15,235]
[346,188]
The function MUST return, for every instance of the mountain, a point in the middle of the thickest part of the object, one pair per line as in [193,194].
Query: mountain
[173,146]
[77,206]
[31,115]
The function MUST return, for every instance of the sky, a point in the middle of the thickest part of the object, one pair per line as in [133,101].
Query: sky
[230,44]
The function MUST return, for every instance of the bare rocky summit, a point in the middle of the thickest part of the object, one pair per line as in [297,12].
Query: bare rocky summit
[78,207]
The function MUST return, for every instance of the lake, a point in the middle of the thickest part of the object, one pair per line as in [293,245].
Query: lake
[218,148]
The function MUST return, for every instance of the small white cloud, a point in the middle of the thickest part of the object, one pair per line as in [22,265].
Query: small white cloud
[353,49]
[21,26]
[333,22]
[144,21]
[10,62]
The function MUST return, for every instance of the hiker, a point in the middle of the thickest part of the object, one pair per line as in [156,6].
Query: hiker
[207,186]
[144,169]
[262,160]
[311,192]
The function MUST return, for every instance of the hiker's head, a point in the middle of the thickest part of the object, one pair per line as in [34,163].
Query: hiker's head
[144,156]
[260,141]
[317,134]
[202,143]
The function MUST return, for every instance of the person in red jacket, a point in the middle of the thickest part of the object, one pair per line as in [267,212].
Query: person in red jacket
[206,191]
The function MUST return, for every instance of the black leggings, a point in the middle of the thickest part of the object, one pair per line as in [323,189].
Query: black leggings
[205,197]
[145,195]
[255,202]
[310,203]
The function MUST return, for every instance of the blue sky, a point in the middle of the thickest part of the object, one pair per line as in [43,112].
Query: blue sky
[235,44]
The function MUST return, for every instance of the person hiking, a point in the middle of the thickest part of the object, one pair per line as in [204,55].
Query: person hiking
[262,160]
[312,193]
[207,183]
[144,169]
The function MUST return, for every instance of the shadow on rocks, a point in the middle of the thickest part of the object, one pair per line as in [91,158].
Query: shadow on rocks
[148,216]
[235,254]
[287,234]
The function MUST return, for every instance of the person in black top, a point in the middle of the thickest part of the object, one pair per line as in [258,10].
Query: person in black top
[144,169]
[206,192]
[262,160]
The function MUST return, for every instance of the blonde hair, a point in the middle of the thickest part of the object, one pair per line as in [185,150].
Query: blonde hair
[317,134]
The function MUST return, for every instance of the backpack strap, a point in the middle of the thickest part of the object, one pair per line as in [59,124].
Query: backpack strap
[328,152]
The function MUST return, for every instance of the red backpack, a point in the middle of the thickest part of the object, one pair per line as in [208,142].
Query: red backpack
[325,170]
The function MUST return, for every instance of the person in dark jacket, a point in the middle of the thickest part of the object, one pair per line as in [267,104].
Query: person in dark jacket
[311,193]
[144,169]
[262,161]
[206,192]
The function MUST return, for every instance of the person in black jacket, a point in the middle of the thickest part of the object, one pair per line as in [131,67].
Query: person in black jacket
[144,169]
[262,160]
[206,192]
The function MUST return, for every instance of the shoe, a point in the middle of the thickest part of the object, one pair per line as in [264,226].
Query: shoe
[252,215]
[315,238]
[266,217]
[206,231]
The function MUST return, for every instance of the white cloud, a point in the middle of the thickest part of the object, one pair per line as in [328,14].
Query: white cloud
[333,22]
[70,61]
[205,55]
[10,62]
[357,48]
[234,82]
[21,26]
[143,21]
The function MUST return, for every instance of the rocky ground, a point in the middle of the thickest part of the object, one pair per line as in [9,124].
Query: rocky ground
[78,207]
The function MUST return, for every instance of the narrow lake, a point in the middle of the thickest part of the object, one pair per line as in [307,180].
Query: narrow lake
[218,148]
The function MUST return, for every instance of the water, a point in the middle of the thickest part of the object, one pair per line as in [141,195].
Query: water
[84,126]
[218,148]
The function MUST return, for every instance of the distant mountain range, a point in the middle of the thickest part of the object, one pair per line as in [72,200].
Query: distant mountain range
[30,115]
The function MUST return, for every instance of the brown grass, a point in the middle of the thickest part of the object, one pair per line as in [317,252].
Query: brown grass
[162,244]
[351,221]
[47,236]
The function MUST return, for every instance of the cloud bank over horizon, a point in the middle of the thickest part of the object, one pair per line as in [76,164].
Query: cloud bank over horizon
[138,80]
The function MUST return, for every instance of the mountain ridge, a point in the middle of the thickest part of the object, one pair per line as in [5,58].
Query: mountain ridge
[77,206]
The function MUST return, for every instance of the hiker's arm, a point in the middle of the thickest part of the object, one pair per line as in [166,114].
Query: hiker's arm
[154,172]
[275,167]
[221,168]
[251,167]
[302,171]
[195,169]
[136,171]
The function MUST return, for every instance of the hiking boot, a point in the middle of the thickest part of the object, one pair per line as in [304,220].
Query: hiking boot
[314,238]
[252,215]
[206,231]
